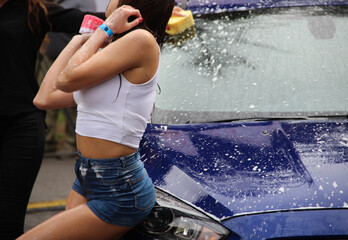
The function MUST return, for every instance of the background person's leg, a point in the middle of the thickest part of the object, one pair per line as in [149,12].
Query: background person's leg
[21,152]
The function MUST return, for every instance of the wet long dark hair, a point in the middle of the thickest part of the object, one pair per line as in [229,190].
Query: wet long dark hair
[37,10]
[155,14]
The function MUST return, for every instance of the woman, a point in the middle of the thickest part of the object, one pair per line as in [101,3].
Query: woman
[114,89]
[23,25]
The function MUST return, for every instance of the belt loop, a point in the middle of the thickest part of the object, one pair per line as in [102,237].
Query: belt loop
[122,159]
[88,163]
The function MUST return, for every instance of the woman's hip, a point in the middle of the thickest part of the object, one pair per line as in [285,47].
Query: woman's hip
[116,187]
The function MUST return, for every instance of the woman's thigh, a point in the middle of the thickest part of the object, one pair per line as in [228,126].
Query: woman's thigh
[75,223]
[75,199]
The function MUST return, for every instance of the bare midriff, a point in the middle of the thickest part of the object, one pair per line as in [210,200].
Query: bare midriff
[100,148]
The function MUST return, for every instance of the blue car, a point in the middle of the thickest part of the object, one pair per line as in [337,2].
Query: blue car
[249,134]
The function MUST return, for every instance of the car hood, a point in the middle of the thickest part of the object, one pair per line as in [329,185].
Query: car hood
[231,169]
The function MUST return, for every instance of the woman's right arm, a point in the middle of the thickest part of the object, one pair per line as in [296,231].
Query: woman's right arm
[48,96]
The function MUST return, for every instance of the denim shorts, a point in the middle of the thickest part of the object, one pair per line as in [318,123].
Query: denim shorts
[118,190]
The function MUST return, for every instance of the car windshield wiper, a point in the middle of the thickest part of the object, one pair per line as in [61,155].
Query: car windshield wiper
[275,118]
[249,119]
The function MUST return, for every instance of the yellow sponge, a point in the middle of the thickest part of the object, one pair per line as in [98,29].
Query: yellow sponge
[178,24]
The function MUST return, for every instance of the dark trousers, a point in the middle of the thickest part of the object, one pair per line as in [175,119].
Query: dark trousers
[21,151]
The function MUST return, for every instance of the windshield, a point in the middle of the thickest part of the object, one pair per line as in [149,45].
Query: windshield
[265,63]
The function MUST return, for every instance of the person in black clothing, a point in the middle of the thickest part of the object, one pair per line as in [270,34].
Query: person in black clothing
[23,25]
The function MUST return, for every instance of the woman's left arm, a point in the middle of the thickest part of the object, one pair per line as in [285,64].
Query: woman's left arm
[69,79]
[48,96]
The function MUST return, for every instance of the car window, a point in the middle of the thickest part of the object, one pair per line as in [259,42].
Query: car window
[275,62]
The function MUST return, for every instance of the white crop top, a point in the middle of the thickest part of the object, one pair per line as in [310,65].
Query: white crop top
[115,110]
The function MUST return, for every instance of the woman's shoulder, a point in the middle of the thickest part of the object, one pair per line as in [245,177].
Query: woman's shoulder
[142,37]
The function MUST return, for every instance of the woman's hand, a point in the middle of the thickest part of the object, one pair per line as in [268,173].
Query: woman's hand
[84,37]
[80,39]
[118,19]
[177,11]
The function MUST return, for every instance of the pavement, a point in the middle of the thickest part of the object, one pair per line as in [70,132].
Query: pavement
[51,188]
